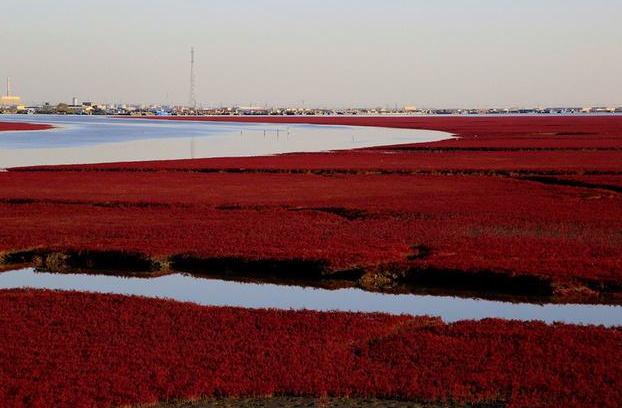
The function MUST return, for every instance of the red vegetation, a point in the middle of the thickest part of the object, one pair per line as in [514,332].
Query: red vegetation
[6,126]
[508,127]
[557,232]
[532,201]
[408,213]
[73,350]
[396,160]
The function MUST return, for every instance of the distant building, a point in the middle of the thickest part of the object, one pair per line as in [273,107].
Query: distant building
[10,100]
[251,110]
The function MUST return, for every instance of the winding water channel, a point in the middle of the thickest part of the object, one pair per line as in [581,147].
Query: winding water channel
[97,139]
[215,292]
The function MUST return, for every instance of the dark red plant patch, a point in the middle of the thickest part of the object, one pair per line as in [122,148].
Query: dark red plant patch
[74,350]
[11,126]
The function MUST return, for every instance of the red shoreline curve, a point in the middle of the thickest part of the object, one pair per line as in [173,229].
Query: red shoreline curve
[464,126]
[17,126]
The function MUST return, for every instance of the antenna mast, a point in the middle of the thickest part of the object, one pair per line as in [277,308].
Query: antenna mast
[8,86]
[193,98]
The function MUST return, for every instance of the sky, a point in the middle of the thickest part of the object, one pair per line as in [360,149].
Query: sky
[327,53]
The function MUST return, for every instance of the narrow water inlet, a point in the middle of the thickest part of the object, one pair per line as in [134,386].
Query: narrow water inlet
[215,292]
[86,139]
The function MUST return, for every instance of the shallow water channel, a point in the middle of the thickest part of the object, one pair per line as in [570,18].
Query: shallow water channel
[215,292]
[97,139]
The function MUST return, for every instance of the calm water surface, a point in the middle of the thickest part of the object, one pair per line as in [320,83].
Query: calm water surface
[227,293]
[97,139]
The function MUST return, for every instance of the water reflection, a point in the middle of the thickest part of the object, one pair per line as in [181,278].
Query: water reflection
[226,293]
[84,139]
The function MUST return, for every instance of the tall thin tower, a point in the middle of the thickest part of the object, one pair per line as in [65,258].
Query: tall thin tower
[193,97]
[8,86]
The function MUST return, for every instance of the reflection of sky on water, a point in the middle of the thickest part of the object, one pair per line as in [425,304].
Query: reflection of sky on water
[94,139]
[226,293]
[76,131]
[99,139]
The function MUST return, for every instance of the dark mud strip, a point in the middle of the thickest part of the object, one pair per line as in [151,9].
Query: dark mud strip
[332,171]
[396,279]
[572,183]
[105,204]
[305,273]
[486,281]
[286,269]
[300,402]
[502,149]
[80,261]
[350,214]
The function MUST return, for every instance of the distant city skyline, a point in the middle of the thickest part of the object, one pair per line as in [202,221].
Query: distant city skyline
[445,53]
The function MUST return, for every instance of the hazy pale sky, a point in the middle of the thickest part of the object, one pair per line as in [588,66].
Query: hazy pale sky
[432,53]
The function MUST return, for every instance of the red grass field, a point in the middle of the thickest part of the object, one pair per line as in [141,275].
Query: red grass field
[74,350]
[531,197]
[508,226]
[6,126]
[529,202]
[396,160]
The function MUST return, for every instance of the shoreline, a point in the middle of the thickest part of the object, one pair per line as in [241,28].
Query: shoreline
[537,214]
[22,126]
